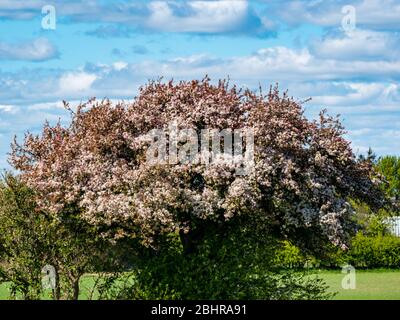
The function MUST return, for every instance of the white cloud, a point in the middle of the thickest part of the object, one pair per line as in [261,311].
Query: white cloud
[120,65]
[356,94]
[15,5]
[274,64]
[76,82]
[329,81]
[9,109]
[359,44]
[217,16]
[205,16]
[372,14]
[36,50]
[45,106]
[360,132]
[20,9]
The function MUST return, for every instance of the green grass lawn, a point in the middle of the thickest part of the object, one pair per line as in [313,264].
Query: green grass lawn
[370,285]
[3,291]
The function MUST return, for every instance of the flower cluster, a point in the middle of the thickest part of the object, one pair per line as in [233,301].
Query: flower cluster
[302,176]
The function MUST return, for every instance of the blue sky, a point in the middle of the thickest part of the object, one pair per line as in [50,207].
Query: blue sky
[110,48]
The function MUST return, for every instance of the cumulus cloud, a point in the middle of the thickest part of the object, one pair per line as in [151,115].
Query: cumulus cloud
[357,93]
[274,63]
[370,14]
[120,65]
[359,44]
[196,16]
[76,82]
[8,109]
[233,16]
[300,67]
[19,9]
[124,18]
[39,49]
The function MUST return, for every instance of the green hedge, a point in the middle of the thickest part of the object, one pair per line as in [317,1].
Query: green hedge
[381,251]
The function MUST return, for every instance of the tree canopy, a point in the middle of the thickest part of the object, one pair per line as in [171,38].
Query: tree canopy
[298,187]
[389,167]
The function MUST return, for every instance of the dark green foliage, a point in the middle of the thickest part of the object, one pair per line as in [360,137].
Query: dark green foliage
[22,239]
[236,266]
[366,251]
[381,251]
[290,256]
[31,239]
[389,167]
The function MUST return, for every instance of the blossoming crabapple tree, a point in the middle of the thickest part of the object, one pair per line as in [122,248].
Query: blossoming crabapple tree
[303,174]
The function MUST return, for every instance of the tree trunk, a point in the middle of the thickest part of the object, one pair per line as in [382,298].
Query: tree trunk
[186,242]
[57,289]
[191,239]
[75,288]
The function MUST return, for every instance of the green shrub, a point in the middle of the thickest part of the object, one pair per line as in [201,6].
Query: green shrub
[381,251]
[290,256]
[366,251]
[236,267]
[31,239]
